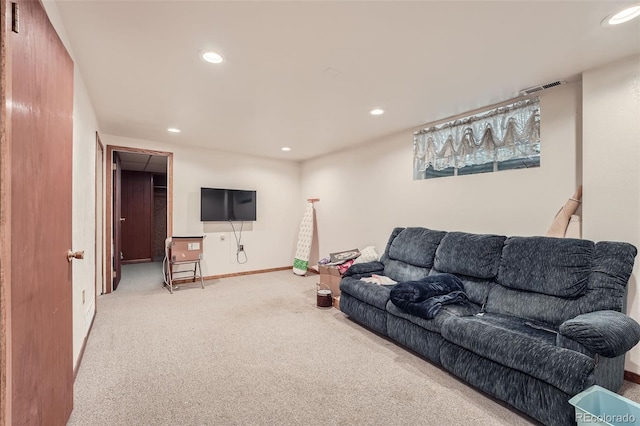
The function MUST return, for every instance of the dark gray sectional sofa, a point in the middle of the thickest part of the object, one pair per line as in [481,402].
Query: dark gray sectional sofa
[542,324]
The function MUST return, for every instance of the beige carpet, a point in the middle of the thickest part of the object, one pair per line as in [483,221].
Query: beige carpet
[255,350]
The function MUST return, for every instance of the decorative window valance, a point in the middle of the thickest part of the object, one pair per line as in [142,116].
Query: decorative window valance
[506,133]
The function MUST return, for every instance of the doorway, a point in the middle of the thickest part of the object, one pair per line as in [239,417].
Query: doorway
[139,207]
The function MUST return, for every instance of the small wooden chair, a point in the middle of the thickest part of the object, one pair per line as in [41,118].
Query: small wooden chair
[181,251]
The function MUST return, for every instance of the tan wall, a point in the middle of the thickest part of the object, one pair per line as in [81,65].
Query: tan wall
[85,125]
[270,241]
[367,191]
[611,150]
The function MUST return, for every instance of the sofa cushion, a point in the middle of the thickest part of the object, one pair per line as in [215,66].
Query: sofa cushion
[400,271]
[473,255]
[554,266]
[511,342]
[610,273]
[435,324]
[477,289]
[372,294]
[415,246]
[533,306]
[364,313]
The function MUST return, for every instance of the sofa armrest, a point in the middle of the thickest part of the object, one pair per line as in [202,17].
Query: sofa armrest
[363,269]
[608,333]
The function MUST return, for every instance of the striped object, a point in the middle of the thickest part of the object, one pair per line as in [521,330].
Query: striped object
[305,237]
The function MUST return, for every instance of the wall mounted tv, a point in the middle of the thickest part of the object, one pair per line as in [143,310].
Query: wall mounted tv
[222,205]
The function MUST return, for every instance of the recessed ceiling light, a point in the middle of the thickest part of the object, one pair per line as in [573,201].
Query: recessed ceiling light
[622,16]
[376,111]
[212,57]
[285,149]
[173,130]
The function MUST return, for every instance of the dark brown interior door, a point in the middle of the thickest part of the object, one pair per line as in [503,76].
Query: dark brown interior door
[137,210]
[117,220]
[41,140]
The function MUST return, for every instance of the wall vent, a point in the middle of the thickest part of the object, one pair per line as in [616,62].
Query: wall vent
[535,89]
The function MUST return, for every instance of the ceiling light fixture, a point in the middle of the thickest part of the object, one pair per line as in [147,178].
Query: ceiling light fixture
[211,57]
[285,149]
[376,111]
[173,130]
[622,16]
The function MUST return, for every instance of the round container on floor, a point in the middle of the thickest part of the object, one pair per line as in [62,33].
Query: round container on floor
[324,299]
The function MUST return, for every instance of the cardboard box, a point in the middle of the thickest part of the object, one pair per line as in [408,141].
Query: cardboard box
[330,278]
[336,302]
[185,249]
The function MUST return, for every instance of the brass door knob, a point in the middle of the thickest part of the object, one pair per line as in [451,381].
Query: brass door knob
[75,255]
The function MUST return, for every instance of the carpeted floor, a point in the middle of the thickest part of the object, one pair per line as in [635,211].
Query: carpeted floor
[255,350]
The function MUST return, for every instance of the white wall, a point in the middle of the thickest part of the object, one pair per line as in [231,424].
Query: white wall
[83,238]
[367,191]
[269,242]
[611,150]
[85,126]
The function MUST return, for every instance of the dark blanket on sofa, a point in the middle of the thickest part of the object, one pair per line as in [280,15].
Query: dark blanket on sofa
[424,298]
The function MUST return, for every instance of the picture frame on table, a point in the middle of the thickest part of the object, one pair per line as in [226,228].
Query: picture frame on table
[342,256]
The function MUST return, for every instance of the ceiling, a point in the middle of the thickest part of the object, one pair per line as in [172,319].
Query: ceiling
[304,74]
[143,162]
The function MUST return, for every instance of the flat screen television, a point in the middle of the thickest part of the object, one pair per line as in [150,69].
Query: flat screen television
[222,205]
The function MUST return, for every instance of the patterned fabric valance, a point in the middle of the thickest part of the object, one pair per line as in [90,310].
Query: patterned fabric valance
[505,133]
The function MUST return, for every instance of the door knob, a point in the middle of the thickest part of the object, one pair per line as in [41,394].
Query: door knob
[122,219]
[75,255]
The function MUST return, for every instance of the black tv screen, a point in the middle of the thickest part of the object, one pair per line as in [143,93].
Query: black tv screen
[221,205]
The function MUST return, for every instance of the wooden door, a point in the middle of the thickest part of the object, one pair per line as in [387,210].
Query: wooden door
[117,220]
[38,85]
[137,212]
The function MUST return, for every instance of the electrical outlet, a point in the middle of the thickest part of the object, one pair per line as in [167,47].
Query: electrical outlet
[83,297]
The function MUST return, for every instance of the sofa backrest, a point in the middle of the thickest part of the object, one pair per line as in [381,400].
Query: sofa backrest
[540,278]
[551,279]
[410,252]
[474,258]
